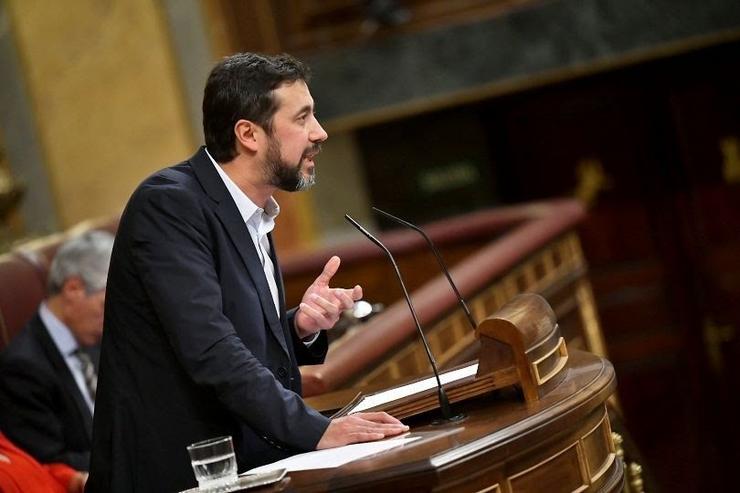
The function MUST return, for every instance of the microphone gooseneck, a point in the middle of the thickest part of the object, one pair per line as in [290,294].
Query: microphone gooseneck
[442,265]
[444,402]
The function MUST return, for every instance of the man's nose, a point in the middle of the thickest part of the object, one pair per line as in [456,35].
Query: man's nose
[318,134]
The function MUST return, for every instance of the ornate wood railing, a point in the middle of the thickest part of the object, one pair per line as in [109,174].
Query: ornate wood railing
[507,251]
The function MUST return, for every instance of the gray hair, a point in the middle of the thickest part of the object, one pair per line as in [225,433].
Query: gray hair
[86,256]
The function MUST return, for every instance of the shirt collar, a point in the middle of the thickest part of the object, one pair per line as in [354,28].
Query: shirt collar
[60,333]
[262,220]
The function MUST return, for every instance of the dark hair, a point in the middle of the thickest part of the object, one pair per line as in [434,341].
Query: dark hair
[241,87]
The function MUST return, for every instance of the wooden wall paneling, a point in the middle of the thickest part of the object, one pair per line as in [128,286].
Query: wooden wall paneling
[307,25]
[705,105]
[657,143]
[236,26]
[619,121]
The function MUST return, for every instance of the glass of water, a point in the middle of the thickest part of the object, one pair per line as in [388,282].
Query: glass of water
[214,464]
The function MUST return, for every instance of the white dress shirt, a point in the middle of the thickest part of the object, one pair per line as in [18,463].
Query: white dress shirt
[259,222]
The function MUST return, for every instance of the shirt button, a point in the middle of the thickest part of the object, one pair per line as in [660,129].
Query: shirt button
[282,372]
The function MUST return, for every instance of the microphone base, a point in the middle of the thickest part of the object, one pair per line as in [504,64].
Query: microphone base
[458,418]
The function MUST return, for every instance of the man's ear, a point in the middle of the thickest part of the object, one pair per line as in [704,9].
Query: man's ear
[246,133]
[73,288]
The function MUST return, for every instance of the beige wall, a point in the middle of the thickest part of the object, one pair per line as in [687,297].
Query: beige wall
[109,108]
[106,98]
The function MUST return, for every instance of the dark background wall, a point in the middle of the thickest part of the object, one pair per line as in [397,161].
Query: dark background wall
[631,105]
[653,148]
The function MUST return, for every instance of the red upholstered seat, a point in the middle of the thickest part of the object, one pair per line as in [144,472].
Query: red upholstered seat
[22,287]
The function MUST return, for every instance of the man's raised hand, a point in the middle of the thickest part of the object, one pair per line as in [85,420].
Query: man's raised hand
[322,305]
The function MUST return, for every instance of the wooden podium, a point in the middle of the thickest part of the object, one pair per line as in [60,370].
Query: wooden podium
[536,421]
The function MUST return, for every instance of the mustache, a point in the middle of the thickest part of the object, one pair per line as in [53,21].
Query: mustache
[312,151]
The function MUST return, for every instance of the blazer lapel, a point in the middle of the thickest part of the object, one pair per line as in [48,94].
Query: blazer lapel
[281,288]
[237,230]
[65,375]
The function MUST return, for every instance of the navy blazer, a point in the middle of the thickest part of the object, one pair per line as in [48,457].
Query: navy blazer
[193,347]
[41,407]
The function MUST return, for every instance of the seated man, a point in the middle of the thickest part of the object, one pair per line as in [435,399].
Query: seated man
[47,373]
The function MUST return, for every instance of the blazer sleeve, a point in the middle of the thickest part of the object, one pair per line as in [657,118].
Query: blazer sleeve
[172,248]
[29,414]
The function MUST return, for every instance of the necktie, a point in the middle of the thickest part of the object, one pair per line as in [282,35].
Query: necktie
[88,372]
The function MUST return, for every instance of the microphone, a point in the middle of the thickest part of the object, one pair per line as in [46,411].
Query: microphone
[442,265]
[444,402]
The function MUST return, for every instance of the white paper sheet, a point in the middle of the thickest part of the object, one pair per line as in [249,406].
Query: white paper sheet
[391,395]
[333,457]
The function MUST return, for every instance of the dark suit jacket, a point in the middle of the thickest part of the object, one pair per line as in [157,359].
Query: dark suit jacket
[193,347]
[41,407]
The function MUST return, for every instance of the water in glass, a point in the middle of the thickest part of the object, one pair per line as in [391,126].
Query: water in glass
[215,472]
[214,464]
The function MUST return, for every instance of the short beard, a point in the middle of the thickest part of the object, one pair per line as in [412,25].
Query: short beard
[285,176]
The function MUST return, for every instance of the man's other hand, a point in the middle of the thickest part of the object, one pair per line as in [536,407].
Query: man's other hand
[360,427]
[321,305]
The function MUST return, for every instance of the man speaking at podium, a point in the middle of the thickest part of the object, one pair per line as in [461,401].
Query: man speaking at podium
[197,341]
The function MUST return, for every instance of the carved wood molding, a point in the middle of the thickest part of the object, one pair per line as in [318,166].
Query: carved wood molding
[530,229]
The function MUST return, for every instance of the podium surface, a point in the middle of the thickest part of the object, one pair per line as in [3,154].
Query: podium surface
[560,443]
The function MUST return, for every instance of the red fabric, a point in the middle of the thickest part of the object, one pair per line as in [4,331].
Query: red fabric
[21,473]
